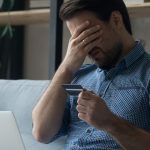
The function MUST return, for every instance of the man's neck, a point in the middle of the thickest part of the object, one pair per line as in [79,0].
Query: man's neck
[128,45]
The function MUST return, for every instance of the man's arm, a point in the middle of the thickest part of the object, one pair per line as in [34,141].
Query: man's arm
[130,137]
[48,113]
[92,109]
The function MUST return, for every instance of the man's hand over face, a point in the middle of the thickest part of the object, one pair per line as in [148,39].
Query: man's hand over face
[84,39]
[93,110]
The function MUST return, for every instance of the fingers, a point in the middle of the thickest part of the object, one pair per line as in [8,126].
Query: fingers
[81,109]
[85,104]
[89,37]
[82,102]
[87,95]
[92,45]
[80,29]
[92,37]
[85,98]
[87,34]
[82,116]
[91,41]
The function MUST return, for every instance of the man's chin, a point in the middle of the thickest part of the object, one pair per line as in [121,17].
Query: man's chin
[101,65]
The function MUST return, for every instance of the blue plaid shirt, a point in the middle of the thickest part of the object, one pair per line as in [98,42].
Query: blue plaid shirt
[125,90]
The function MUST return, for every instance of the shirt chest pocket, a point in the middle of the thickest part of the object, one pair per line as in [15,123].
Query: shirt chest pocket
[128,99]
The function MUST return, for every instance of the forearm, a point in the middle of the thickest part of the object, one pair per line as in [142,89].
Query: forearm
[48,113]
[127,135]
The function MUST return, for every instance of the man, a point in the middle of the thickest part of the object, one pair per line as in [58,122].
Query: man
[114,111]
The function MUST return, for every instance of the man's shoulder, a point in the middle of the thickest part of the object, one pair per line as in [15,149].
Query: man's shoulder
[143,68]
[146,61]
[147,55]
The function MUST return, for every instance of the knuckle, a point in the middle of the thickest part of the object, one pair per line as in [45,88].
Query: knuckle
[78,30]
[79,46]
[81,94]
[84,94]
[77,107]
[80,115]
[86,40]
[74,42]
[84,33]
[79,101]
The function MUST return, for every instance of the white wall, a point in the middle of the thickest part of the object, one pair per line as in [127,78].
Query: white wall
[133,1]
[141,30]
[37,46]
[36,51]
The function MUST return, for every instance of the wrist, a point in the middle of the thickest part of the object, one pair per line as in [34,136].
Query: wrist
[112,124]
[62,76]
[118,126]
[68,67]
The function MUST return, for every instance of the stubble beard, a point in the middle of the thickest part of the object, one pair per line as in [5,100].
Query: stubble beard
[111,57]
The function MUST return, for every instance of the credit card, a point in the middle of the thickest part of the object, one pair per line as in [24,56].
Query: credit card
[73,89]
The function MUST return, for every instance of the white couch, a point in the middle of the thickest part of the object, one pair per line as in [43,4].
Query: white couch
[20,96]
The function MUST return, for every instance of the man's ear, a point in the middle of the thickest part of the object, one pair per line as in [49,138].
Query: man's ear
[116,19]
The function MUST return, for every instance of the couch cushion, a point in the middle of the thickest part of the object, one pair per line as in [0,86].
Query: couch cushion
[31,144]
[20,96]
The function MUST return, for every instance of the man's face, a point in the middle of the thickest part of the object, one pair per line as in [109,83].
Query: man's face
[107,53]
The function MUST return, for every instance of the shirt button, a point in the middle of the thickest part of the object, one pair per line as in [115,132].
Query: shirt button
[88,131]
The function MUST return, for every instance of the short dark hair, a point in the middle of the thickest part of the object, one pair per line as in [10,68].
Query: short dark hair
[102,8]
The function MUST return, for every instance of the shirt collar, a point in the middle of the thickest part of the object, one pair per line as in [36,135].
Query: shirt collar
[128,60]
[134,54]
